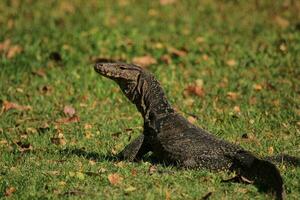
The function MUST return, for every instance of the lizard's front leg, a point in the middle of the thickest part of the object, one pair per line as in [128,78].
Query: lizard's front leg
[135,150]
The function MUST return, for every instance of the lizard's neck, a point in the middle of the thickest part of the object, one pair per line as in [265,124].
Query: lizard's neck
[151,101]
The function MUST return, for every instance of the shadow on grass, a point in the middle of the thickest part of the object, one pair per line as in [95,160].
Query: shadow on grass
[88,155]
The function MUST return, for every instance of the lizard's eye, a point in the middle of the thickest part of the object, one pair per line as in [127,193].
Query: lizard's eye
[122,67]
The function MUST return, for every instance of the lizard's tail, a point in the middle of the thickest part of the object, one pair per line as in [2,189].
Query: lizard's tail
[284,159]
[262,172]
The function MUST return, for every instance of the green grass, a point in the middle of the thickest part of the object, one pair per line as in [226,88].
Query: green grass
[262,39]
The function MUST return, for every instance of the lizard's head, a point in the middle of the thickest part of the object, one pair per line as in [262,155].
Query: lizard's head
[126,75]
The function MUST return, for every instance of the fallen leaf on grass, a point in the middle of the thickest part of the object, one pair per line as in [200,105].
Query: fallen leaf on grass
[9,191]
[133,172]
[88,134]
[168,195]
[144,61]
[59,140]
[6,105]
[13,51]
[166,2]
[249,137]
[232,95]
[257,87]
[87,126]
[200,40]
[236,109]
[192,119]
[282,22]
[231,62]
[69,111]
[195,89]
[252,101]
[166,59]
[67,7]
[276,102]
[40,72]
[152,169]
[205,57]
[67,120]
[114,178]
[4,46]
[271,150]
[177,52]
[92,162]
[3,141]
[9,50]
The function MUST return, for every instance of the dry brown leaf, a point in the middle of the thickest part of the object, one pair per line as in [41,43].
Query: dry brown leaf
[144,61]
[231,62]
[189,101]
[276,102]
[236,109]
[168,195]
[58,141]
[205,57]
[9,191]
[166,59]
[40,72]
[153,12]
[4,46]
[73,119]
[152,169]
[192,119]
[283,47]
[67,7]
[270,150]
[133,172]
[177,52]
[166,2]
[88,134]
[257,87]
[69,111]
[195,90]
[120,164]
[200,40]
[10,105]
[87,126]
[282,22]
[13,51]
[115,178]
[92,162]
[232,95]
[3,141]
[252,101]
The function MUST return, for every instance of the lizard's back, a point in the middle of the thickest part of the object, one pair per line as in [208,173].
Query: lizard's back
[189,146]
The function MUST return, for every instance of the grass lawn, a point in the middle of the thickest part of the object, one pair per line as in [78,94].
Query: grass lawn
[230,66]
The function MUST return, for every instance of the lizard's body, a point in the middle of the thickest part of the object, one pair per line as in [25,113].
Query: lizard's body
[174,140]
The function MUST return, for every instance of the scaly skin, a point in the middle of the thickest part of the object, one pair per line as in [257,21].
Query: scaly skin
[173,140]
